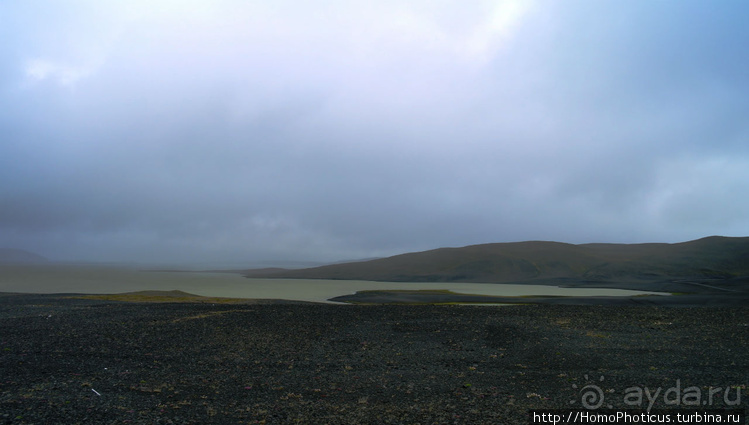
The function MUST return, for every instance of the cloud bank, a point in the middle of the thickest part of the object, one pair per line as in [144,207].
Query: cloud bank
[252,131]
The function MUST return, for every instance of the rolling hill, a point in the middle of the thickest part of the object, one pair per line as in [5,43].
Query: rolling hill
[708,258]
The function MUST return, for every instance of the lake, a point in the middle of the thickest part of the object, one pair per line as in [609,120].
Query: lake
[97,279]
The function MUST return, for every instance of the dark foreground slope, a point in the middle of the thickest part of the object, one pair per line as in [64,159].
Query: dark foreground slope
[708,258]
[83,361]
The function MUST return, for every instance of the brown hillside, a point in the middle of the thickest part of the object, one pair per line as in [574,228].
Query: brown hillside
[713,257]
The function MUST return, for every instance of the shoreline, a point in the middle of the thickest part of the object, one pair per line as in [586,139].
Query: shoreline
[93,280]
[423,297]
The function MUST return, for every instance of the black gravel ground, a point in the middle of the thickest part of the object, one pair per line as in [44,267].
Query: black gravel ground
[68,361]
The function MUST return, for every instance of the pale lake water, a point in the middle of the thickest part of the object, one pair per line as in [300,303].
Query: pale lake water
[51,279]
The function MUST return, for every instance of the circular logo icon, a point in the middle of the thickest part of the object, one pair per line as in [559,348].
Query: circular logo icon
[591,395]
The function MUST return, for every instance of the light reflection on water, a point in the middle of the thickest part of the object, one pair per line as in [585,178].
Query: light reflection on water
[111,280]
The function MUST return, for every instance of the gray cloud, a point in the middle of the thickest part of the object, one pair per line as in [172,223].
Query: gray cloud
[245,131]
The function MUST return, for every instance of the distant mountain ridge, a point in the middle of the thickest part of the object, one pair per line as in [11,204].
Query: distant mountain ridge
[19,256]
[713,257]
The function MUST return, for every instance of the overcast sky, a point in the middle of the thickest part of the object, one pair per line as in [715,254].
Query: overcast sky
[179,130]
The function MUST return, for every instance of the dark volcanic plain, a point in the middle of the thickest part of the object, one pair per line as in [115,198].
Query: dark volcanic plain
[67,361]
